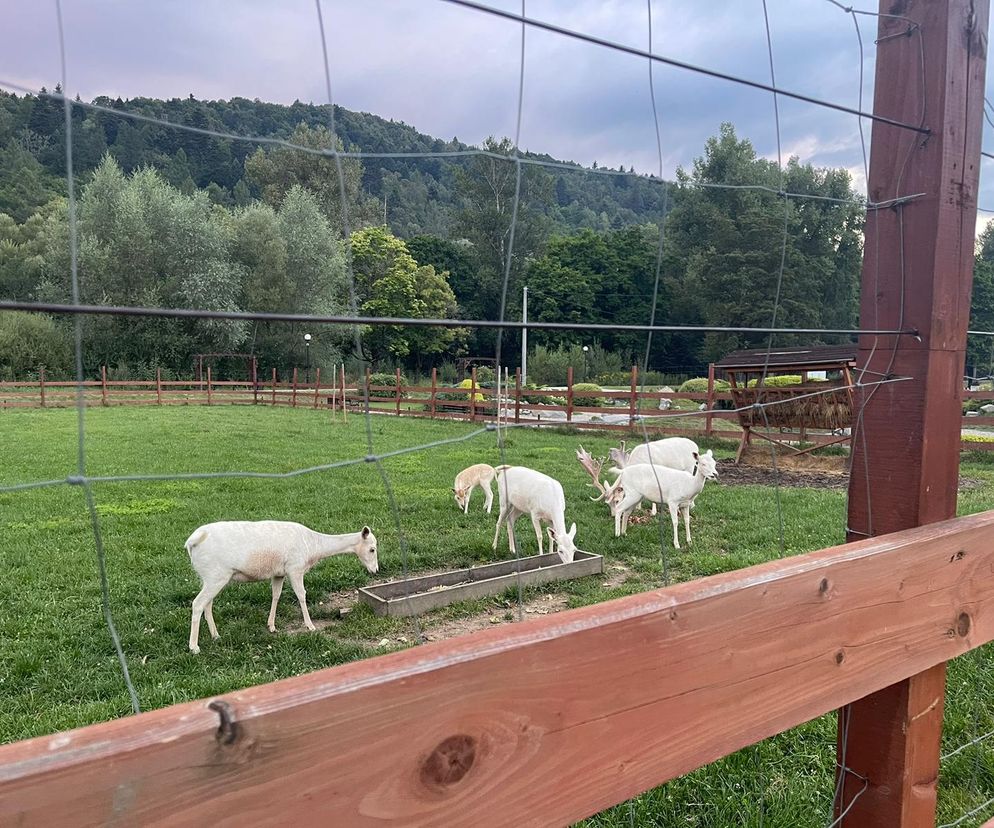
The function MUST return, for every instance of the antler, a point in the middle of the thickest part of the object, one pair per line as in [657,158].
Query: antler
[619,456]
[593,468]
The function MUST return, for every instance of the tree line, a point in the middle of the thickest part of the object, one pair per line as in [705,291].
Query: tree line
[179,219]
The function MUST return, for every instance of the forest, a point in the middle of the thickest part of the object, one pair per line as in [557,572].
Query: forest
[176,218]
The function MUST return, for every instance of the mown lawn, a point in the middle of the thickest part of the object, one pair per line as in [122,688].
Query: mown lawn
[58,669]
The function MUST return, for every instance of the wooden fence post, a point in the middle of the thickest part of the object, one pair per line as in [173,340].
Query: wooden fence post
[345,408]
[397,391]
[274,387]
[434,390]
[633,405]
[804,428]
[210,396]
[317,386]
[103,385]
[255,381]
[41,384]
[889,741]
[708,421]
[517,395]
[569,394]
[158,386]
[472,395]
[293,399]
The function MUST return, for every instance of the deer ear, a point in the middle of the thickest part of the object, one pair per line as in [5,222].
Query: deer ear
[365,531]
[572,531]
[696,456]
[552,532]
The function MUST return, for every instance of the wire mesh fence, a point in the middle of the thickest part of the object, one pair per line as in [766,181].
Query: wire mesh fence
[756,784]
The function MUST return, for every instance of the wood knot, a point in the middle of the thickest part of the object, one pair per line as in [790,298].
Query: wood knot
[449,762]
[672,615]
[824,586]
[963,625]
[840,657]
[958,556]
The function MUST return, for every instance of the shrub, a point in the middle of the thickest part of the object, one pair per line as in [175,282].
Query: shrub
[383,378]
[485,377]
[579,399]
[699,385]
[778,382]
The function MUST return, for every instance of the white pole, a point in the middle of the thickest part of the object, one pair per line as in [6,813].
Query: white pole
[524,337]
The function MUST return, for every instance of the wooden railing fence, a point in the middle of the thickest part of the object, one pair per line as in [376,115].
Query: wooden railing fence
[534,724]
[619,411]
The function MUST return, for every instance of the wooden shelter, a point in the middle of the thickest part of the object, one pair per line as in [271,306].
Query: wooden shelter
[798,407]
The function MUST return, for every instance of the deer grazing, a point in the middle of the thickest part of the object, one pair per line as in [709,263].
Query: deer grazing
[481,475]
[523,491]
[659,484]
[264,550]
[672,452]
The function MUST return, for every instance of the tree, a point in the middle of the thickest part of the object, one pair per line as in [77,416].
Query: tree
[25,185]
[389,282]
[980,350]
[291,261]
[723,248]
[275,171]
[29,341]
[458,260]
[487,188]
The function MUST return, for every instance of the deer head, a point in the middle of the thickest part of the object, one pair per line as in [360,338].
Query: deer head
[593,468]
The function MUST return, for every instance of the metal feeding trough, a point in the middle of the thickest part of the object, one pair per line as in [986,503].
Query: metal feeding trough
[416,595]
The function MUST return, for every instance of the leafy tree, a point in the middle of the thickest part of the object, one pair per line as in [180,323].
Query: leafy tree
[275,171]
[389,282]
[29,341]
[458,260]
[25,185]
[724,247]
[291,262]
[980,350]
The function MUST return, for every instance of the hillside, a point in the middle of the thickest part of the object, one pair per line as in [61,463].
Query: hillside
[420,193]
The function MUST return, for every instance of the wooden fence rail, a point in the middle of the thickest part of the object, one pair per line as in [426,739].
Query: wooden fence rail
[544,722]
[618,413]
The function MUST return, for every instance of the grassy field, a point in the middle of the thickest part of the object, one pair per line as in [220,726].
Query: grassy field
[58,668]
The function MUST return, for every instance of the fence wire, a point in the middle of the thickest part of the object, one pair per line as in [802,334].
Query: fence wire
[353,320]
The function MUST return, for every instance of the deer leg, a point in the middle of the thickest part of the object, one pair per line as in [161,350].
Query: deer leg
[277,582]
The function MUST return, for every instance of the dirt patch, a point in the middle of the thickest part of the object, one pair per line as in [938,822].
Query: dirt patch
[730,473]
[542,605]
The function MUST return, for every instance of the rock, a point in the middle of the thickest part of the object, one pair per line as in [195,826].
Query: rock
[987,409]
[666,390]
[665,405]
[383,642]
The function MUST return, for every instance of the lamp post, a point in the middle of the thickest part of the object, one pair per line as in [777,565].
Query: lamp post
[586,363]
[307,350]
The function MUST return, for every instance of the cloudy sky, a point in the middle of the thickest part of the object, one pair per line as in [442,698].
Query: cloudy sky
[452,71]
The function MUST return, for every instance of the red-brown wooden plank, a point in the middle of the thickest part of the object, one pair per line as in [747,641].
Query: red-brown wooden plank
[543,722]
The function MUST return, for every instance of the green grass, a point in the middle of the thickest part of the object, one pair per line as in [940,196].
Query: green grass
[57,665]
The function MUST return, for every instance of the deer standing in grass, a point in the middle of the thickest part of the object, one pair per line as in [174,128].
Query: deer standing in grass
[264,550]
[525,491]
[480,475]
[659,484]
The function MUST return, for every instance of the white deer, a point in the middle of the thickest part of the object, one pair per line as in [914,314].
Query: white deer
[481,475]
[673,452]
[264,550]
[677,489]
[525,491]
